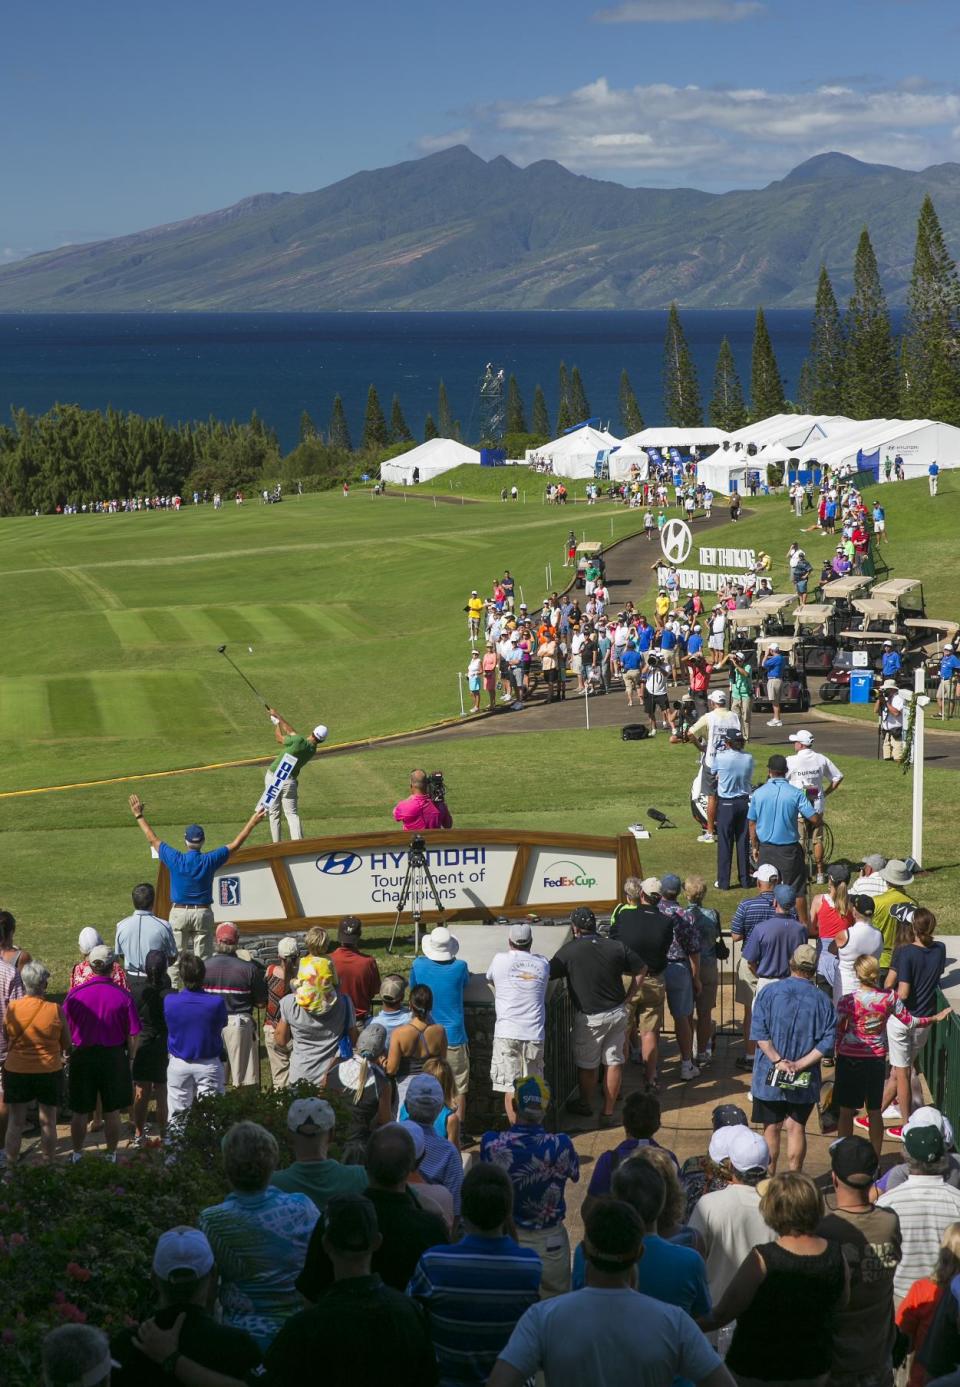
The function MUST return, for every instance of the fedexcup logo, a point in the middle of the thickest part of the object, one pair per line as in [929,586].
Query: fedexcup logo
[339,864]
[676,541]
[558,875]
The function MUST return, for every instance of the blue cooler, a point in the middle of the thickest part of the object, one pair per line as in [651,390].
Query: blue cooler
[861,686]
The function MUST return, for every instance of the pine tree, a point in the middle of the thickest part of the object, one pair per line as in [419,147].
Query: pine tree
[444,416]
[374,424]
[930,380]
[541,419]
[308,428]
[516,419]
[579,404]
[631,420]
[564,412]
[870,369]
[766,383]
[399,433]
[805,387]
[727,410]
[824,388]
[339,431]
[429,429]
[681,392]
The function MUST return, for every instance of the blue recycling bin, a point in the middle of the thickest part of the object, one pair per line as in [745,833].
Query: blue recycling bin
[861,686]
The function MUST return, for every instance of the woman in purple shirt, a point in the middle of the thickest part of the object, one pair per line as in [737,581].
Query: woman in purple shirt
[195,1023]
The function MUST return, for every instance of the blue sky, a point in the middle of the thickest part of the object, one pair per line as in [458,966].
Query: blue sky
[118,116]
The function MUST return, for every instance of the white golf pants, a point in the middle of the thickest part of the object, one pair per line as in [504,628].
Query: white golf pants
[288,797]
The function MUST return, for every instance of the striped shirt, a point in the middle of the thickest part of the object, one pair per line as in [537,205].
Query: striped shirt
[442,1163]
[240,982]
[925,1206]
[474,1293]
[749,913]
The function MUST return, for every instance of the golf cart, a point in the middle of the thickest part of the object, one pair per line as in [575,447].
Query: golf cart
[587,552]
[819,616]
[795,696]
[906,594]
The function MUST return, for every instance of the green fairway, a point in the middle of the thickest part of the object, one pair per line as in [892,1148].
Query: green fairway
[354,611]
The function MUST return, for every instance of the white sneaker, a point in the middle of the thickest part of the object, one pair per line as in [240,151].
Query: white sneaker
[76,1157]
[707,838]
[774,722]
[892,1113]
[652,732]
[688,1070]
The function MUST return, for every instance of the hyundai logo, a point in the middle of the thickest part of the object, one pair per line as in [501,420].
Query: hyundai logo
[339,864]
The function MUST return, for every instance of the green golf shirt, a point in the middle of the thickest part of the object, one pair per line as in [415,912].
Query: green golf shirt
[300,747]
[741,685]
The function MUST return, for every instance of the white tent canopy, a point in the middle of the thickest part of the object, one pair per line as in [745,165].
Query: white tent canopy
[720,471]
[676,437]
[628,462]
[918,442]
[575,454]
[432,458]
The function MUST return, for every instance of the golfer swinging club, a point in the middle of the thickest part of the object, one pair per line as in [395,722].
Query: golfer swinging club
[304,749]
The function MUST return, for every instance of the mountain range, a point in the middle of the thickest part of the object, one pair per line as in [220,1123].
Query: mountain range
[452,230]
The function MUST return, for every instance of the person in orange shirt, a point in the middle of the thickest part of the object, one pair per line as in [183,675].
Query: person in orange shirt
[919,1305]
[38,1039]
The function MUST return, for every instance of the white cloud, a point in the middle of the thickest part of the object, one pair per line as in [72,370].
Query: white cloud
[8,254]
[712,137]
[680,11]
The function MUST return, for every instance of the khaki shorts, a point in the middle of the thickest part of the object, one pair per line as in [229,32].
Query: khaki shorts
[512,1060]
[598,1039]
[808,833]
[458,1058]
[746,983]
[646,1006]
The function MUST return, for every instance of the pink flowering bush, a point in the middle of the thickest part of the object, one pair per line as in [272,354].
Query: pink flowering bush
[76,1242]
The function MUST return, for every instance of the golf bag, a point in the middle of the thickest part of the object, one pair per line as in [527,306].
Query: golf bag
[635,732]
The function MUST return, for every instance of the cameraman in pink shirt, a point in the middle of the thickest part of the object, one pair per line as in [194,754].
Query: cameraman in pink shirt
[419,811]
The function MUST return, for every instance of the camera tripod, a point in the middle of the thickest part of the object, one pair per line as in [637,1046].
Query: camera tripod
[418,886]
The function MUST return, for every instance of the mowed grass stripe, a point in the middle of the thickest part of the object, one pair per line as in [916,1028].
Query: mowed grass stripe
[24,709]
[182,704]
[125,706]
[133,630]
[74,706]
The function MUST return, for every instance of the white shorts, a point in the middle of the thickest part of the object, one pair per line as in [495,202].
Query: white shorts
[598,1039]
[512,1060]
[904,1043]
[715,643]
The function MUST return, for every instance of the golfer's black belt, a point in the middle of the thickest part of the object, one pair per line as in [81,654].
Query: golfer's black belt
[191,905]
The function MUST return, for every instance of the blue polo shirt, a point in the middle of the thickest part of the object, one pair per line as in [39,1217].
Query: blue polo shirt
[734,773]
[644,637]
[446,981]
[774,809]
[694,643]
[890,664]
[667,639]
[668,1273]
[192,873]
[949,666]
[773,666]
[631,659]
[771,945]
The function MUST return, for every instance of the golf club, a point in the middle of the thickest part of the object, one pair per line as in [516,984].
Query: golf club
[222,650]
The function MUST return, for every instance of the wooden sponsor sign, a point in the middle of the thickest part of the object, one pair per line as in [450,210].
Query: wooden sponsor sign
[479,874]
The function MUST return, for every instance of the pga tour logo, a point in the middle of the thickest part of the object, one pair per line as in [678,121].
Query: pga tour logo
[567,873]
[229,890]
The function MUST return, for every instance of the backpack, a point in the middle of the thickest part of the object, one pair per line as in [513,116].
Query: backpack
[634,732]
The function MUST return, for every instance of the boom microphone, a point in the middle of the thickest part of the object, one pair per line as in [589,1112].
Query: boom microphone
[659,819]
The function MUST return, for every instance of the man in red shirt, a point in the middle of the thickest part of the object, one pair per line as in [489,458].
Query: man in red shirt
[358,973]
[419,811]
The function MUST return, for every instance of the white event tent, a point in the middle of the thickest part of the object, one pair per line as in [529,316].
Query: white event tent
[574,454]
[675,436]
[918,442]
[432,458]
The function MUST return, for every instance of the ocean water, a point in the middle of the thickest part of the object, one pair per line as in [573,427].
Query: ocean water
[192,365]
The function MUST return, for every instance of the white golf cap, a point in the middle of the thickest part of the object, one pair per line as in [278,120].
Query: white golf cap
[520,932]
[716,696]
[930,1117]
[767,872]
[773,646]
[311,1112]
[802,736]
[650,886]
[747,1150]
[184,1250]
[719,1148]
[321,732]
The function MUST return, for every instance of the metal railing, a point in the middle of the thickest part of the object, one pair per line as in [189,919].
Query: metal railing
[939,1062]
[560,1067]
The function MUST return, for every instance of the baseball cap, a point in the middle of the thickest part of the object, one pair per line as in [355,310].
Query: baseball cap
[767,872]
[719,1148]
[651,886]
[863,905]
[101,953]
[531,1094]
[349,928]
[473,592]
[747,1150]
[193,833]
[670,884]
[804,737]
[838,872]
[392,989]
[924,1144]
[415,1132]
[777,763]
[876,862]
[350,1223]
[930,1117]
[854,1161]
[182,1253]
[288,947]
[728,1115]
[784,894]
[716,696]
[888,643]
[372,1040]
[520,933]
[424,1097]
[583,918]
[321,732]
[804,958]
[311,1112]
[89,939]
[773,646]
[227,933]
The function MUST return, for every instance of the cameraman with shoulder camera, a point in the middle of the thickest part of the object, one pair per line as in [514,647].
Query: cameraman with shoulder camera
[420,810]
